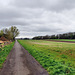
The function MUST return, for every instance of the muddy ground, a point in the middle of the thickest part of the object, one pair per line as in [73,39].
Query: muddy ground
[20,62]
[62,41]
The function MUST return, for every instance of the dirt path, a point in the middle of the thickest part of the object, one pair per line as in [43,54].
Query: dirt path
[20,62]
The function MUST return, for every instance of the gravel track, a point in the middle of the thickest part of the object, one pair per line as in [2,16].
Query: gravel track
[20,62]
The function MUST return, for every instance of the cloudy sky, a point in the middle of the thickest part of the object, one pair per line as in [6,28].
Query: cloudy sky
[38,17]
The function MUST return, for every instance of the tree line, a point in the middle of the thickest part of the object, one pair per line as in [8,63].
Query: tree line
[70,35]
[9,33]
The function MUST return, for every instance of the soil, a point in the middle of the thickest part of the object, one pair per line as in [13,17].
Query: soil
[62,41]
[20,62]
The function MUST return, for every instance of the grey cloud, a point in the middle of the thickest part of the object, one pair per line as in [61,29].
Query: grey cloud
[55,5]
[47,29]
[38,17]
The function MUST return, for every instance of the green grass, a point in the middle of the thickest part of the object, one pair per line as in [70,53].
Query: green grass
[57,58]
[4,53]
[62,39]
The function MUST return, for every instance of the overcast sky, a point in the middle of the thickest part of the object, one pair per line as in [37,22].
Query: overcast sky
[38,17]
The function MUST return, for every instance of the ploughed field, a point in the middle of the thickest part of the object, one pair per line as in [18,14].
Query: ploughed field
[58,58]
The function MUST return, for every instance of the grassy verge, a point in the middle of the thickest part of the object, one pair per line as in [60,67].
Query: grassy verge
[4,53]
[56,58]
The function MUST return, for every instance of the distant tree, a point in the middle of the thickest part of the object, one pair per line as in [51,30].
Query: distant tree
[7,33]
[70,35]
[10,33]
[53,37]
[14,32]
[1,33]
[37,38]
[46,37]
[26,38]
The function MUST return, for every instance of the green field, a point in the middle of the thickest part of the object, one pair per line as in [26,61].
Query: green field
[4,53]
[56,57]
[62,39]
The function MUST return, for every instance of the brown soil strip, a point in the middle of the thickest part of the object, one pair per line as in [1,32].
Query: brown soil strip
[20,62]
[62,41]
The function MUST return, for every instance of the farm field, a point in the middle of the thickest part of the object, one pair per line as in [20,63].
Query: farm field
[4,53]
[58,58]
